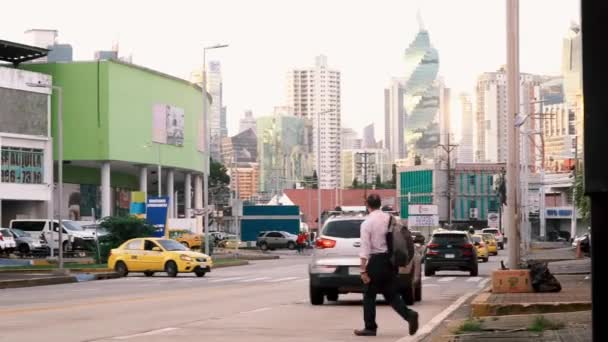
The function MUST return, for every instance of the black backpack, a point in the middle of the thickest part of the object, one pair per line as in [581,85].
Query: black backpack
[400,243]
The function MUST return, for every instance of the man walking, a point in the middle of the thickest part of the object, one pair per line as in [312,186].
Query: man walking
[377,272]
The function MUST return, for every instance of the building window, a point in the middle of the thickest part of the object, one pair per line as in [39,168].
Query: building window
[21,165]
[472,180]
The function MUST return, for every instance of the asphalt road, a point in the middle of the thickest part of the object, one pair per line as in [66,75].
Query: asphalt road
[265,301]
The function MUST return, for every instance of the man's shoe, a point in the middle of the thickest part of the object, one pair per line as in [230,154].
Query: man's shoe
[413,322]
[365,332]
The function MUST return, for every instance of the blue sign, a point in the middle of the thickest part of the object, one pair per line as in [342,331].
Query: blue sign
[156,214]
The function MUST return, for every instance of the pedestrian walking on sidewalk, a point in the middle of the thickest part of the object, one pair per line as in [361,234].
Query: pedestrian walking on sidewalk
[377,272]
[301,242]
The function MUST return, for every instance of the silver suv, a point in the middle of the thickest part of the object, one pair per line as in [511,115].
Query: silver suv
[335,265]
[275,240]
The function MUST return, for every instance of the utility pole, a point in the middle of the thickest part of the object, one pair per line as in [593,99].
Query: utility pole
[448,148]
[513,212]
[364,165]
[573,221]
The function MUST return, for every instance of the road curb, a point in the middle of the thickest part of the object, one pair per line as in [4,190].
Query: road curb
[236,263]
[50,270]
[481,308]
[11,284]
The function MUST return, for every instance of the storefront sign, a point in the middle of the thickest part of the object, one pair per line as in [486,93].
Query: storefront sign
[558,213]
[156,214]
[423,209]
[21,165]
[493,220]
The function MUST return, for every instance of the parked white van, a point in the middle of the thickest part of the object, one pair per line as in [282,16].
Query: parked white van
[74,236]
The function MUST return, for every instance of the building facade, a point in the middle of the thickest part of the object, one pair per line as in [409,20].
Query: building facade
[244,180]
[26,163]
[365,165]
[314,93]
[475,193]
[241,148]
[121,122]
[247,121]
[467,130]
[283,157]
[350,139]
[394,119]
[214,87]
[421,98]
[491,113]
[369,137]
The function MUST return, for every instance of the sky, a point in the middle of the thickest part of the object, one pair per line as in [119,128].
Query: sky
[364,39]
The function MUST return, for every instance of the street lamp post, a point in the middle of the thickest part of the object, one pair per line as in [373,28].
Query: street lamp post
[207,144]
[59,92]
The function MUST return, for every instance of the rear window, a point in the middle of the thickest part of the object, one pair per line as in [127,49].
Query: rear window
[450,239]
[6,233]
[343,229]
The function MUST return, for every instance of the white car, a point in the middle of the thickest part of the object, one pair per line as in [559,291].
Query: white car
[74,236]
[7,242]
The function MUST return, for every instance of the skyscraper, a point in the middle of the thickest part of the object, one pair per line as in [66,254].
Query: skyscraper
[491,113]
[421,96]
[350,139]
[369,137]
[445,126]
[394,120]
[465,147]
[247,122]
[312,92]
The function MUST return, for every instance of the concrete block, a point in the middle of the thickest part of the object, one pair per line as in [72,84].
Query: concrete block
[511,281]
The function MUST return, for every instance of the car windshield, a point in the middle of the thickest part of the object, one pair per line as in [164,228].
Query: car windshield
[350,229]
[171,245]
[5,232]
[450,239]
[73,226]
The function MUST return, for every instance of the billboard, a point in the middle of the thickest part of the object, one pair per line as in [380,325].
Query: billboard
[423,209]
[156,214]
[423,221]
[168,125]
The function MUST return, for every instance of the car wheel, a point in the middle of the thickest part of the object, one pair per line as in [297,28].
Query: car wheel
[428,272]
[264,246]
[148,273]
[474,271]
[333,296]
[316,296]
[171,269]
[418,292]
[186,244]
[200,272]
[408,295]
[65,246]
[24,249]
[121,269]
[291,245]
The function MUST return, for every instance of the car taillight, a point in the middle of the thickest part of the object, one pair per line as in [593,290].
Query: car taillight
[468,246]
[1,238]
[431,252]
[432,245]
[322,243]
[481,244]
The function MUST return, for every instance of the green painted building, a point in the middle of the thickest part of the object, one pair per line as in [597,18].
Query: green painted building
[120,121]
[475,193]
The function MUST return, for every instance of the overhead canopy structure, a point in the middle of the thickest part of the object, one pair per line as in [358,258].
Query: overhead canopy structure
[18,53]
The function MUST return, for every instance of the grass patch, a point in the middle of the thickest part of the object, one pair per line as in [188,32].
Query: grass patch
[541,324]
[469,326]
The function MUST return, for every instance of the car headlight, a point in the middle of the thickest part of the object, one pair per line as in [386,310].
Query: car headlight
[185,257]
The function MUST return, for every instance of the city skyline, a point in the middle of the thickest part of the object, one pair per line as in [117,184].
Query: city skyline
[363,82]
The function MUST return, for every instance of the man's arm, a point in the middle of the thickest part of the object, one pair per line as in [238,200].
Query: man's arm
[365,246]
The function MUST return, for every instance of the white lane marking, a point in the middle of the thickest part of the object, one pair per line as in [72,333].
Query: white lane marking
[256,310]
[149,333]
[435,321]
[430,285]
[253,279]
[281,279]
[446,279]
[225,279]
[474,279]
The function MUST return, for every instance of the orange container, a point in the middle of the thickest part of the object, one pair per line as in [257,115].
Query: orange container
[511,281]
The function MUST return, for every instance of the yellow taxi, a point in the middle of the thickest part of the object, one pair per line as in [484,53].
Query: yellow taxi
[150,255]
[491,243]
[482,250]
[187,238]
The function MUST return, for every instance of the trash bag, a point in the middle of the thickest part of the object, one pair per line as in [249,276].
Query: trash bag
[542,279]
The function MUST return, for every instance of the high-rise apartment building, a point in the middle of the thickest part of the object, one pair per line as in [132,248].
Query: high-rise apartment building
[572,70]
[350,139]
[314,93]
[491,113]
[247,122]
[214,87]
[445,126]
[394,120]
[465,147]
[241,148]
[365,165]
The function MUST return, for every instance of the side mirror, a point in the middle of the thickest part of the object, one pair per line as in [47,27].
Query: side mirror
[156,249]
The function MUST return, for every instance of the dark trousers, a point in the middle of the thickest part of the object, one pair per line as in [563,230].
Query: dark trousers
[383,280]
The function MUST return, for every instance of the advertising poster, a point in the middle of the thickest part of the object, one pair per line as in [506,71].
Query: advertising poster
[156,214]
[168,125]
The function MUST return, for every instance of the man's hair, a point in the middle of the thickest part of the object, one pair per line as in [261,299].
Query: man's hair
[373,201]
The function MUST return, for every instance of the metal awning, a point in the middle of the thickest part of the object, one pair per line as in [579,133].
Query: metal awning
[18,53]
